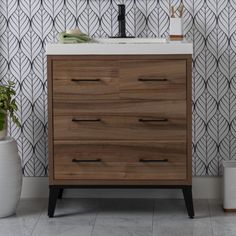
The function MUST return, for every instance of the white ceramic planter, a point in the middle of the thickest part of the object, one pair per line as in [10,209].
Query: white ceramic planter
[3,133]
[10,177]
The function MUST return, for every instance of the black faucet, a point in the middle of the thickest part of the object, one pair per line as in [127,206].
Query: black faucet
[121,20]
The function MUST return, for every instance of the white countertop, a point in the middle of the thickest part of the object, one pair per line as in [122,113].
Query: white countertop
[164,48]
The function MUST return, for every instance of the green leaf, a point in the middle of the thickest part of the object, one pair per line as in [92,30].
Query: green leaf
[8,103]
[2,120]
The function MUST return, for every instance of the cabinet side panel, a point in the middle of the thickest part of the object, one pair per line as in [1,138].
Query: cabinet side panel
[189,119]
[50,118]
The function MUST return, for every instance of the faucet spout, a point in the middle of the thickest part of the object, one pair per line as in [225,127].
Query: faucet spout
[121,20]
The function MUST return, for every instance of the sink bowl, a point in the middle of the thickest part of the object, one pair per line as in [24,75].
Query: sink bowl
[130,40]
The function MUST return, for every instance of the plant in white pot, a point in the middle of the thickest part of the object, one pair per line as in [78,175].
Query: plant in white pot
[7,107]
[10,163]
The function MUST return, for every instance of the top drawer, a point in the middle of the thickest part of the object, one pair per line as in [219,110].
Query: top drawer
[153,79]
[85,79]
[142,79]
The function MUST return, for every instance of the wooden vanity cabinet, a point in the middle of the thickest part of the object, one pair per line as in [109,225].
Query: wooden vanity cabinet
[120,121]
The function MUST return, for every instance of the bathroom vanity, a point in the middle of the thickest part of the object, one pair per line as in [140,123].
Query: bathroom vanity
[120,117]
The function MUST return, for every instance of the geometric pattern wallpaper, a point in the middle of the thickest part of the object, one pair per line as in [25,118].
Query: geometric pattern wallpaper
[27,25]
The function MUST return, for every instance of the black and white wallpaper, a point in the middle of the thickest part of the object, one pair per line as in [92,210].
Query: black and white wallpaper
[27,25]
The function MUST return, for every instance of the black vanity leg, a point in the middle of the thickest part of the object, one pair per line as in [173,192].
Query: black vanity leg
[60,194]
[53,195]
[188,198]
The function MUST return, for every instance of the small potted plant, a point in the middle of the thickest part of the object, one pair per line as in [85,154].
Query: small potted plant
[10,163]
[7,107]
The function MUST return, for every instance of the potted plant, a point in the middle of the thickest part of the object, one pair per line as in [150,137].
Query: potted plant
[7,107]
[10,163]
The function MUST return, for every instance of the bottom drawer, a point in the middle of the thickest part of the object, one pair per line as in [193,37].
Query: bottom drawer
[120,161]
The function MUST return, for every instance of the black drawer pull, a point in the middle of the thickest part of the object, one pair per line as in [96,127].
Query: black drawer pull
[153,120]
[152,79]
[86,80]
[153,161]
[86,161]
[85,120]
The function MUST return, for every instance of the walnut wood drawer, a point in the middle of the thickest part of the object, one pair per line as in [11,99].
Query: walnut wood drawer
[120,160]
[163,108]
[119,127]
[153,79]
[157,123]
[85,79]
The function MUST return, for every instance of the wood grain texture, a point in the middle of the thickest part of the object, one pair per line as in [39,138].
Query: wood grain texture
[87,79]
[119,127]
[50,120]
[159,79]
[118,99]
[121,121]
[170,108]
[189,117]
[121,160]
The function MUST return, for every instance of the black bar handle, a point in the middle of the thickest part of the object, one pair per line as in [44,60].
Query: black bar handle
[152,79]
[153,120]
[153,161]
[85,120]
[86,161]
[86,80]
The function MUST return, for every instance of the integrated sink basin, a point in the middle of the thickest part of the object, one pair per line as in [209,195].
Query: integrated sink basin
[130,40]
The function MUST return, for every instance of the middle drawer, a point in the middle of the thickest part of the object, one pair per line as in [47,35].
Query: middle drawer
[162,121]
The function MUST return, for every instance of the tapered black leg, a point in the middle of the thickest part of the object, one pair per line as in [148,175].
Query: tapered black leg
[53,195]
[188,198]
[60,194]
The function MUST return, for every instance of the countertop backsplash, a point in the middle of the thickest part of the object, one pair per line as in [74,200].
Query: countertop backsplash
[26,27]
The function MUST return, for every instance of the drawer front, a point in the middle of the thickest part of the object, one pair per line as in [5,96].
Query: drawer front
[153,79]
[163,108]
[167,123]
[79,80]
[120,161]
